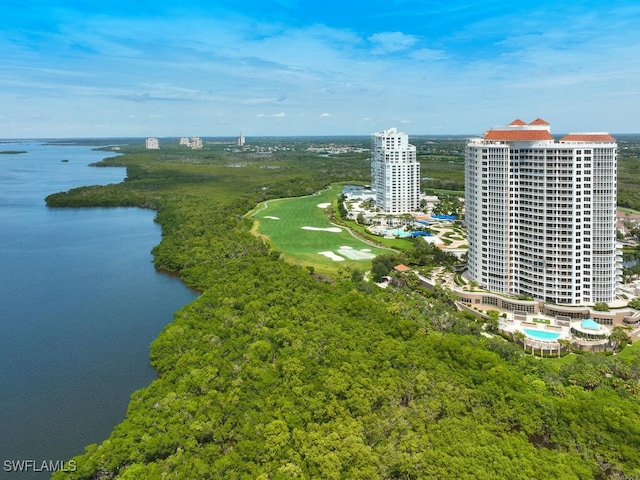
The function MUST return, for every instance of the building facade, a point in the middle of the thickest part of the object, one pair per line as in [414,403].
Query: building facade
[152,144]
[541,214]
[395,172]
[196,143]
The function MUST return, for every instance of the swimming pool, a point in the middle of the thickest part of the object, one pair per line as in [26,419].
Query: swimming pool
[542,335]
[397,233]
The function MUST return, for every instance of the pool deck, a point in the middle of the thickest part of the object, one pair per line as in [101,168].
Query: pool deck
[512,325]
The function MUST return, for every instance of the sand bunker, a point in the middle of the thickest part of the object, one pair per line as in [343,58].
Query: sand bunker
[434,240]
[330,229]
[272,218]
[354,254]
[332,256]
[349,252]
[324,205]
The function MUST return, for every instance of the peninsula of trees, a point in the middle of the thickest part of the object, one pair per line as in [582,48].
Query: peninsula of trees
[277,373]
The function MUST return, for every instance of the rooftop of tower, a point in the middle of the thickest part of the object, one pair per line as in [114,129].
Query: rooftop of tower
[539,121]
[520,131]
[588,137]
[517,135]
[539,130]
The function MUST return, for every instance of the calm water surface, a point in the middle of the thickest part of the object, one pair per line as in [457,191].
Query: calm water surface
[80,302]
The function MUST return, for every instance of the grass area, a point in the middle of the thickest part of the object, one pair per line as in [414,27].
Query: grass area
[628,210]
[451,235]
[443,172]
[283,222]
[461,282]
[393,243]
[631,351]
[560,361]
[542,320]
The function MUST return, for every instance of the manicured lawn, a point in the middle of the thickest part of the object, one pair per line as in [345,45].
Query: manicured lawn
[283,222]
[628,210]
[630,350]
[559,361]
[392,243]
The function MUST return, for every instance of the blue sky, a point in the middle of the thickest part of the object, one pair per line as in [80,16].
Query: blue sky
[84,68]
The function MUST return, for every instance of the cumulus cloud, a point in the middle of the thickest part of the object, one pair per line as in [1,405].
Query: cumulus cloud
[325,114]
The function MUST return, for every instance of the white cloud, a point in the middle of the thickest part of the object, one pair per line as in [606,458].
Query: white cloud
[251,69]
[427,55]
[389,42]
[273,115]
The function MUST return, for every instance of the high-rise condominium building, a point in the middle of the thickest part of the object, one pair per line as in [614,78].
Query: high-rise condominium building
[395,172]
[541,214]
[196,143]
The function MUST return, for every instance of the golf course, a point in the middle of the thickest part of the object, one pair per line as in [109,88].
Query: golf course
[300,229]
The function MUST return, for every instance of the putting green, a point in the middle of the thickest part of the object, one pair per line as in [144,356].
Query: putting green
[301,230]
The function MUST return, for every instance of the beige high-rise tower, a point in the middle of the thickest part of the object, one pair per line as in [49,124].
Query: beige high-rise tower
[541,213]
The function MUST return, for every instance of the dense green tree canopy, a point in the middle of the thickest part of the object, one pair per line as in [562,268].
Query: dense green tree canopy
[273,374]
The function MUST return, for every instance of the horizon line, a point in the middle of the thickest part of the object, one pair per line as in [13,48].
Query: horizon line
[23,139]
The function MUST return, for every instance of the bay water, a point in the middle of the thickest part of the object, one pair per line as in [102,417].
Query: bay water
[80,303]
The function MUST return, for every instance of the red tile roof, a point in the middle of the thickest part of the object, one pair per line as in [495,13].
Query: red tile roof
[539,121]
[518,135]
[517,121]
[588,137]
[401,268]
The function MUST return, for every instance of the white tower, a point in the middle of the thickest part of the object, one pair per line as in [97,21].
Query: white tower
[395,172]
[541,214]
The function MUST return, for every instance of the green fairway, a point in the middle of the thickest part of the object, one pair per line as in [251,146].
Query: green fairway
[300,229]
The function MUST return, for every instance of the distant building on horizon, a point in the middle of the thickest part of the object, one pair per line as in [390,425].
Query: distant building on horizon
[240,141]
[196,143]
[541,214]
[395,172]
[152,144]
